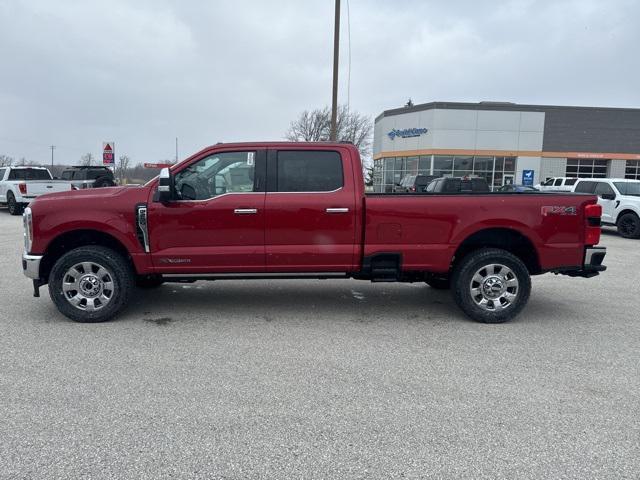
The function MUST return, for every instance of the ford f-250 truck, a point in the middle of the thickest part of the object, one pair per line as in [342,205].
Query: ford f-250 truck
[299,210]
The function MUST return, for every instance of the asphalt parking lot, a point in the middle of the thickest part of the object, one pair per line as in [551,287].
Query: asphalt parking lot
[323,379]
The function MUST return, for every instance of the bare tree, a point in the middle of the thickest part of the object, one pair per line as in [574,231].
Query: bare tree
[315,126]
[122,168]
[6,160]
[86,160]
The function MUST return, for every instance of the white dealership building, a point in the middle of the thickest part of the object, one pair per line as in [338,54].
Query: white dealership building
[505,142]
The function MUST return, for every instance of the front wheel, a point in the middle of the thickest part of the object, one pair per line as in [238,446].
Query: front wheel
[629,226]
[491,285]
[91,284]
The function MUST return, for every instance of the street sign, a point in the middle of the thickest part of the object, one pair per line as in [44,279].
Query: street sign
[527,178]
[108,153]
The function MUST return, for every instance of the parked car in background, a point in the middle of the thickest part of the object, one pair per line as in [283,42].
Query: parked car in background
[414,183]
[557,184]
[21,185]
[458,185]
[517,188]
[299,210]
[89,177]
[620,201]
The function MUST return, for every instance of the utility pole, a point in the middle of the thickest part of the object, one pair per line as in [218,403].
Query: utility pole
[336,56]
[176,149]
[52,147]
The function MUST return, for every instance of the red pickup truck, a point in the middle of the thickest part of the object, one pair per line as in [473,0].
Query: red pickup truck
[299,210]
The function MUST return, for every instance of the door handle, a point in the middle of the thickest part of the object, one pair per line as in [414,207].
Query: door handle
[337,210]
[245,211]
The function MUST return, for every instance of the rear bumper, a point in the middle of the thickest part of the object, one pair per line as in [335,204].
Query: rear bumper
[31,265]
[591,265]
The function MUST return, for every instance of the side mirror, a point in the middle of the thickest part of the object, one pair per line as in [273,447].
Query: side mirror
[165,186]
[608,196]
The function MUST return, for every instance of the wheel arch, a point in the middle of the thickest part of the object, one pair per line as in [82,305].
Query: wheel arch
[71,239]
[625,211]
[508,239]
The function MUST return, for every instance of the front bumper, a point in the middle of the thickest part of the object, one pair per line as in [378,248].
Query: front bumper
[591,265]
[31,265]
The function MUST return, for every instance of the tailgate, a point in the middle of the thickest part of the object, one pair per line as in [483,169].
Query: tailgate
[40,187]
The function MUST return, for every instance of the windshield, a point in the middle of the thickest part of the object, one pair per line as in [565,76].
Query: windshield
[628,188]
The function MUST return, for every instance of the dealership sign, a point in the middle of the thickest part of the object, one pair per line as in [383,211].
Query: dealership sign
[527,178]
[407,132]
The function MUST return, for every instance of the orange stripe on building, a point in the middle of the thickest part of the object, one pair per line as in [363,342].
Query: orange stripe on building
[508,153]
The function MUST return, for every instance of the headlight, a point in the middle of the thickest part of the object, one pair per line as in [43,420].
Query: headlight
[27,220]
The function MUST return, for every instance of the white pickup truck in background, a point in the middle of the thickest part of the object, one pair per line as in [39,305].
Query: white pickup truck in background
[21,185]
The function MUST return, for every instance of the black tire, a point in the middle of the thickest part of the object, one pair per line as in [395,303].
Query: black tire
[103,182]
[149,281]
[629,225]
[119,270]
[14,207]
[439,283]
[478,307]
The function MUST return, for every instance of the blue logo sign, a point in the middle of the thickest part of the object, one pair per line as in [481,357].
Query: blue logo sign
[407,132]
[527,178]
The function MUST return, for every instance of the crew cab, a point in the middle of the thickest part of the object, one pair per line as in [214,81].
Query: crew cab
[557,184]
[299,210]
[620,201]
[21,185]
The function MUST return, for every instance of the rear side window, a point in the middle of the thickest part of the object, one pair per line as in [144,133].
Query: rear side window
[570,181]
[603,189]
[29,174]
[67,175]
[585,187]
[454,185]
[309,171]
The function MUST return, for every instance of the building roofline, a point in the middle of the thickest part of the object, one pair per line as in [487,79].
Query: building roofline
[492,106]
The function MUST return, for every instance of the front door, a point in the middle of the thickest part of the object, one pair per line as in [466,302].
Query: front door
[608,204]
[310,211]
[216,222]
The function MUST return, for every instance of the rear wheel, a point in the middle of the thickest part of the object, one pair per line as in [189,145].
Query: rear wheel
[14,207]
[103,182]
[629,225]
[90,284]
[491,285]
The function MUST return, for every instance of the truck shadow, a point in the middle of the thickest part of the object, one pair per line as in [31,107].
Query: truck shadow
[352,301]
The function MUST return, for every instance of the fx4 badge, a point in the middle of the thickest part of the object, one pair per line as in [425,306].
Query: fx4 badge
[558,210]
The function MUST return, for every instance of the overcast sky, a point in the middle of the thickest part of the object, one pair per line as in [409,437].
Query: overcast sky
[141,72]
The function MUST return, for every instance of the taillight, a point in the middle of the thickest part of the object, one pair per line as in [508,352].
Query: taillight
[592,230]
[23,188]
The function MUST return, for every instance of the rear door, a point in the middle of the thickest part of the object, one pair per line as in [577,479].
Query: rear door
[310,211]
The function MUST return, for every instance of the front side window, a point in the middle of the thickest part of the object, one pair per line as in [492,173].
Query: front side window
[548,183]
[2,170]
[217,174]
[309,171]
[628,188]
[558,182]
[67,175]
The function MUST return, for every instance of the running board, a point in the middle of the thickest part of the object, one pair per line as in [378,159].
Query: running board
[191,277]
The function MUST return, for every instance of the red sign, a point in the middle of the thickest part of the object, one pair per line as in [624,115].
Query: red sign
[108,155]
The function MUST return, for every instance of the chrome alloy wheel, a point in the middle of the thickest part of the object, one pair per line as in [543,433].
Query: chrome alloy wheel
[88,286]
[494,287]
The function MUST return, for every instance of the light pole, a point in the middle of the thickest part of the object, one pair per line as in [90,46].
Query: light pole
[52,147]
[336,56]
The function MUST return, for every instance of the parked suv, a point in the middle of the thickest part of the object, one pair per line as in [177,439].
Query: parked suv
[620,200]
[89,177]
[458,185]
[557,184]
[414,183]
[21,185]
